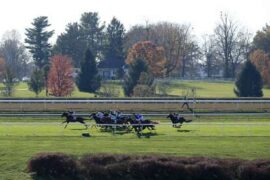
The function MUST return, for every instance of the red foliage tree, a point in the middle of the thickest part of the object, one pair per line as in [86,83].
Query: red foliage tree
[60,79]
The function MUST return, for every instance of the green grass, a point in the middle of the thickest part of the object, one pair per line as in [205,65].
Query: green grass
[206,89]
[215,89]
[22,139]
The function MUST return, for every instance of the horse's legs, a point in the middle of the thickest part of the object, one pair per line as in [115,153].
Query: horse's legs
[82,122]
[66,125]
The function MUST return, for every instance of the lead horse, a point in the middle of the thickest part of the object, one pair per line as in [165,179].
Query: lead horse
[177,120]
[71,118]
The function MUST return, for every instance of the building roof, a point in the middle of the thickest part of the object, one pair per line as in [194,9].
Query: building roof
[109,64]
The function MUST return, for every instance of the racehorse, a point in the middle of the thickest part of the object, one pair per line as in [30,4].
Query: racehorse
[177,121]
[107,121]
[138,126]
[71,118]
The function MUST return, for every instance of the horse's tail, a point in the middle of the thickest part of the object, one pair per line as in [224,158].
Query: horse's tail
[188,120]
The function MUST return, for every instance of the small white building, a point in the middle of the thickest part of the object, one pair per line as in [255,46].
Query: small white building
[108,70]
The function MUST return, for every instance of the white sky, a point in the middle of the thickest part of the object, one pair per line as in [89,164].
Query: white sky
[201,14]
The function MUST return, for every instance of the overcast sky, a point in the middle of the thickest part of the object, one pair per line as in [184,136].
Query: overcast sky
[203,15]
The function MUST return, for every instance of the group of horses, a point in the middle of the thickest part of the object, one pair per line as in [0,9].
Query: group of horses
[127,122]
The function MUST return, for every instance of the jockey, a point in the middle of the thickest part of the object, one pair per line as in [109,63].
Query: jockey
[100,115]
[138,117]
[113,116]
[178,116]
[72,114]
[118,114]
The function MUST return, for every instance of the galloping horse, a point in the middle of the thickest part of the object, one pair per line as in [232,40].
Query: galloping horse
[72,118]
[138,126]
[177,120]
[107,120]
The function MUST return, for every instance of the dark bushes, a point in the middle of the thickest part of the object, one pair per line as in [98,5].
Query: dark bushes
[120,167]
[51,166]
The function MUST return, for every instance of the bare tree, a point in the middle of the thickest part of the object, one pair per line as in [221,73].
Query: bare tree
[14,53]
[210,60]
[232,44]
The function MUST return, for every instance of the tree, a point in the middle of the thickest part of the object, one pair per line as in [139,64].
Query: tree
[14,53]
[249,83]
[36,83]
[262,40]
[113,49]
[144,87]
[88,80]
[37,39]
[180,48]
[262,62]
[232,44]
[92,33]
[135,69]
[60,77]
[78,37]
[9,81]
[71,43]
[2,68]
[152,54]
[211,63]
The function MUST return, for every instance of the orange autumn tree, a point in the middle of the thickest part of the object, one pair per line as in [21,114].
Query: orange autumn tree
[60,77]
[262,62]
[152,54]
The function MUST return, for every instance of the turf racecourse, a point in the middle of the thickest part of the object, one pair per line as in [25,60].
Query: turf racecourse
[245,139]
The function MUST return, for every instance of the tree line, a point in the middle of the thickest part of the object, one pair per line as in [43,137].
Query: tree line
[143,53]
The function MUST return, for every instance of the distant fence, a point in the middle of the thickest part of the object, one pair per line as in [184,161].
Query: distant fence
[148,105]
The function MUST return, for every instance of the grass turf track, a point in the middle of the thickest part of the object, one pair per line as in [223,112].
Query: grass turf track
[245,139]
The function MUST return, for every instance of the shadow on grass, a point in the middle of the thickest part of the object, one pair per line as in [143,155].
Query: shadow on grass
[184,130]
[146,134]
[78,129]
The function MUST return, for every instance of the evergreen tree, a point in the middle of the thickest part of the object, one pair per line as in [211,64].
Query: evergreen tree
[92,33]
[36,83]
[249,82]
[37,39]
[88,80]
[113,51]
[71,43]
[9,81]
[133,76]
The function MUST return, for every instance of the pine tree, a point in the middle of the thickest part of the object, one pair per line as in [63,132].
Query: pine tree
[113,49]
[9,81]
[134,73]
[71,43]
[88,80]
[36,83]
[249,82]
[92,32]
[37,39]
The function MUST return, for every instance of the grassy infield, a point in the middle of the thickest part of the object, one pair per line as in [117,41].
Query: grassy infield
[176,88]
[233,138]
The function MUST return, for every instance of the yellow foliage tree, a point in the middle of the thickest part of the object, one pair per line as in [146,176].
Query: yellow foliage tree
[153,55]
